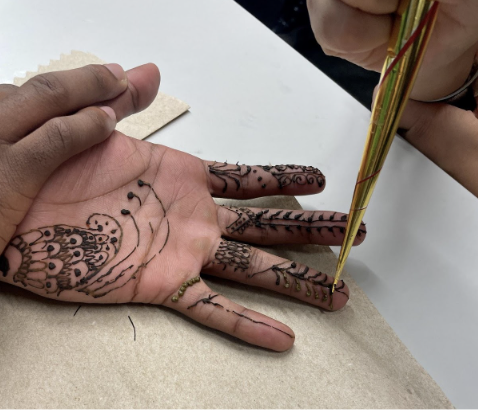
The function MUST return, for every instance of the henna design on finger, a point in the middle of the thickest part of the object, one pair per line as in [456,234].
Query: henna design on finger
[316,283]
[209,301]
[295,174]
[291,221]
[233,254]
[284,174]
[226,172]
[184,286]
[61,257]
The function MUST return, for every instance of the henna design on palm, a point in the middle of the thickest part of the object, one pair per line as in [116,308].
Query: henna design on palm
[61,257]
[209,301]
[288,220]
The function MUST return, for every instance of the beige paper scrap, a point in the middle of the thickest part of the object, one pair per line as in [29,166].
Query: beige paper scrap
[51,358]
[163,110]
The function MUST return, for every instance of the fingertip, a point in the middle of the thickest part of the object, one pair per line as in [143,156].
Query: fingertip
[284,342]
[146,78]
[361,235]
[340,297]
[109,111]
[117,71]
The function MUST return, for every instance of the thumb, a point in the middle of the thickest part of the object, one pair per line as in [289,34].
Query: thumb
[35,157]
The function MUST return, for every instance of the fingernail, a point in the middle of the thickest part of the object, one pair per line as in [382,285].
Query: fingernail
[117,71]
[108,110]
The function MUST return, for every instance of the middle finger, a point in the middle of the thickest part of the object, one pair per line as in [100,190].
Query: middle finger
[279,226]
[56,94]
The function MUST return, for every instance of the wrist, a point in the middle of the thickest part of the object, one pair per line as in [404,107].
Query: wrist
[441,81]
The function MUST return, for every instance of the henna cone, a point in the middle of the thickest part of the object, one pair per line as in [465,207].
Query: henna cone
[413,25]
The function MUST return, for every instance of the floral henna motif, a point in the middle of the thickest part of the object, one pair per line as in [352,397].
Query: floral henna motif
[284,174]
[209,301]
[62,257]
[233,254]
[289,220]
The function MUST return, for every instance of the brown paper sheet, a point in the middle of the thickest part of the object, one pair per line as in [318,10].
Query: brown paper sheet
[163,110]
[50,357]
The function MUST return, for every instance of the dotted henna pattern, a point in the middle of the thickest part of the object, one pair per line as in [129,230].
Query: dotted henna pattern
[61,257]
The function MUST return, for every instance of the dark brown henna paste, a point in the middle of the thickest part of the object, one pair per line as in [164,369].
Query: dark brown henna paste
[295,174]
[132,195]
[208,301]
[313,282]
[226,172]
[184,286]
[61,257]
[284,174]
[291,221]
[142,183]
[233,254]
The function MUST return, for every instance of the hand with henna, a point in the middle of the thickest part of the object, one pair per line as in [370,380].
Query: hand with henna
[129,221]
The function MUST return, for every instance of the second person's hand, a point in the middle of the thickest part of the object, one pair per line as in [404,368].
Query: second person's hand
[359,31]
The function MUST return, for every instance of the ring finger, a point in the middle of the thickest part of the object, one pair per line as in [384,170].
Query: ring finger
[244,263]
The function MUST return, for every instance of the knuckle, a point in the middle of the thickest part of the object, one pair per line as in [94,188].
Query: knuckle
[59,134]
[97,119]
[51,87]
[100,76]
[134,97]
[239,320]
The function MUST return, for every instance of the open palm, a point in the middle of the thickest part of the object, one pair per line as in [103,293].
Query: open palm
[130,221]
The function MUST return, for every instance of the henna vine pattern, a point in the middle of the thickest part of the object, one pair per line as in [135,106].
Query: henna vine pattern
[209,301]
[62,257]
[284,174]
[226,172]
[234,254]
[289,220]
[302,275]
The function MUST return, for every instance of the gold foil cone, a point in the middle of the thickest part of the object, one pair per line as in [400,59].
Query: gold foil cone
[410,35]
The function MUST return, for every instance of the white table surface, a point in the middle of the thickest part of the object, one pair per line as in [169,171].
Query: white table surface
[255,100]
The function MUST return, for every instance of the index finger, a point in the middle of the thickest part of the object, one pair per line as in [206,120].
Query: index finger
[253,181]
[57,94]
